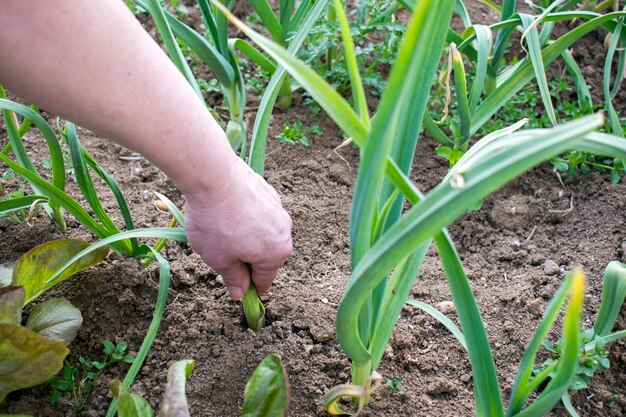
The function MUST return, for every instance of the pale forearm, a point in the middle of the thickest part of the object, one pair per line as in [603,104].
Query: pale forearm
[92,63]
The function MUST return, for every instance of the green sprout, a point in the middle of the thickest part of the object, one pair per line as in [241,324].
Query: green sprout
[80,380]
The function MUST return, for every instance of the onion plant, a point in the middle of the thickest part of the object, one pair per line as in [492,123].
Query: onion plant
[218,52]
[495,83]
[52,195]
[387,249]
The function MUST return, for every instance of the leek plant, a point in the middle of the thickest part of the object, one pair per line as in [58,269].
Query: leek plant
[495,83]
[52,195]
[387,249]
[218,52]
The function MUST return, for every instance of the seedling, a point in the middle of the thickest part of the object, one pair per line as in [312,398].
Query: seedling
[593,353]
[78,380]
[394,385]
[293,134]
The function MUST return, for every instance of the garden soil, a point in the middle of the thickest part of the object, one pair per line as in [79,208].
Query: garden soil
[516,250]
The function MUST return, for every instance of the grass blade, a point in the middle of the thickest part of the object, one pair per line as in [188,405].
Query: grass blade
[441,318]
[83,179]
[520,391]
[614,121]
[18,203]
[358,93]
[158,14]
[534,53]
[484,40]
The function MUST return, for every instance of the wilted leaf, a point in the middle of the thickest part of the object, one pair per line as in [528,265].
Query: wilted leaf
[27,358]
[36,266]
[56,319]
[129,405]
[174,403]
[267,391]
[6,274]
[11,302]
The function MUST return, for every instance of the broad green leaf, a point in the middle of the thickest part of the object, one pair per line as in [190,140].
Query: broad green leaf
[34,268]
[27,358]
[174,403]
[129,405]
[267,391]
[11,303]
[613,293]
[6,274]
[56,319]
[253,309]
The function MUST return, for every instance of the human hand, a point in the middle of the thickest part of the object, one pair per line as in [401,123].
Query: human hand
[241,230]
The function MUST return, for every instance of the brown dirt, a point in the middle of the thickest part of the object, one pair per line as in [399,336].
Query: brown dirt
[515,249]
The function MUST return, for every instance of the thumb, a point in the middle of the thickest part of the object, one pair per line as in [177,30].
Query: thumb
[236,278]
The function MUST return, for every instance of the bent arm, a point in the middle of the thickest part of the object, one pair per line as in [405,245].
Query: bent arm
[91,62]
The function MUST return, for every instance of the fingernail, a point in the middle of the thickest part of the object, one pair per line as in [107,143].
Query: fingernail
[235,292]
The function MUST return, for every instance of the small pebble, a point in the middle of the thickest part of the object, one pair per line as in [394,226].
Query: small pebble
[550,267]
[446,307]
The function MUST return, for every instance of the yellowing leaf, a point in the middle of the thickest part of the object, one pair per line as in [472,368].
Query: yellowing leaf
[27,358]
[36,266]
[11,302]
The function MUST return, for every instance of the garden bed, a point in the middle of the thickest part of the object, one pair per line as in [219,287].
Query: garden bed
[515,249]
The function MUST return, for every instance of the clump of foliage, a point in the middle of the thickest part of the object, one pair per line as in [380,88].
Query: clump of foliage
[377,35]
[293,134]
[78,380]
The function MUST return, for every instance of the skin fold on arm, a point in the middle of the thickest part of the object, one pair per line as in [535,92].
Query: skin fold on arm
[91,62]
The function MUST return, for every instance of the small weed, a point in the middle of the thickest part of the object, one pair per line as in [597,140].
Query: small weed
[611,401]
[591,359]
[293,134]
[377,36]
[394,384]
[315,130]
[79,380]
